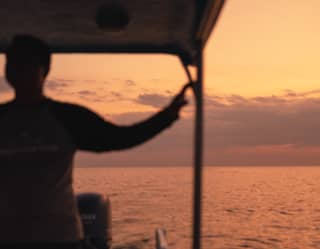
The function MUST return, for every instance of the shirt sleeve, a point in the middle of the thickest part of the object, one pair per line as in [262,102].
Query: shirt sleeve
[91,132]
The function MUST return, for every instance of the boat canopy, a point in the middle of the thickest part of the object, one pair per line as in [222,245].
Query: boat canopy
[120,26]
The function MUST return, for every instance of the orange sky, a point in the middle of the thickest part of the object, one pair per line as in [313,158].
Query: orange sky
[258,49]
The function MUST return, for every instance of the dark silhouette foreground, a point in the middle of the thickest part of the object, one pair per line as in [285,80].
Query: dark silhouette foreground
[39,138]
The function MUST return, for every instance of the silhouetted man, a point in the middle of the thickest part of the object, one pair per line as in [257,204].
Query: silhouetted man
[38,141]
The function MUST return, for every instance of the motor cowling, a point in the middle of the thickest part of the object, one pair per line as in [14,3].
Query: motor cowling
[95,213]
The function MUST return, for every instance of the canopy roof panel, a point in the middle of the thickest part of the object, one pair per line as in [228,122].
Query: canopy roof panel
[166,26]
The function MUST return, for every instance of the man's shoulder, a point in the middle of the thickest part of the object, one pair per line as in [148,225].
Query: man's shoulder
[64,105]
[67,108]
[74,117]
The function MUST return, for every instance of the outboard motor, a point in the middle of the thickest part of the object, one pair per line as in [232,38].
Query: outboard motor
[95,212]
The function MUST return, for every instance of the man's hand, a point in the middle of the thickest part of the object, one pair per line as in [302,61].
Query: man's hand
[178,102]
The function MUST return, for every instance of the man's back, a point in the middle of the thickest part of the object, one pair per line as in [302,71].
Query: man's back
[37,146]
[36,155]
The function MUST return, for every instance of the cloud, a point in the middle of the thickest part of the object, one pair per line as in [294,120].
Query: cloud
[264,121]
[90,96]
[101,96]
[292,94]
[236,99]
[116,94]
[232,121]
[89,81]
[154,100]
[94,93]
[86,93]
[265,130]
[56,85]
[130,82]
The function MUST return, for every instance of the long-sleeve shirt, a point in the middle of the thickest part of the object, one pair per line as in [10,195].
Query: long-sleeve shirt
[37,148]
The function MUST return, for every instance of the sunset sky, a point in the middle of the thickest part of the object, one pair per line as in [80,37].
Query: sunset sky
[262,86]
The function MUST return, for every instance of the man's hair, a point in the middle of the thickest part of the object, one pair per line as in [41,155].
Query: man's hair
[29,47]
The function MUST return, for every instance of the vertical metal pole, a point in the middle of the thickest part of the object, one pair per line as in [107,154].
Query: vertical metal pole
[198,89]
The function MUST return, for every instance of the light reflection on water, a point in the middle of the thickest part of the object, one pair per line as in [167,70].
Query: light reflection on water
[244,207]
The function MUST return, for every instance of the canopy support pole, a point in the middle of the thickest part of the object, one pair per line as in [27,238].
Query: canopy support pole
[198,153]
[198,146]
[186,69]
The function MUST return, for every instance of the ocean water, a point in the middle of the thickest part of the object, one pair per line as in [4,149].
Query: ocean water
[243,207]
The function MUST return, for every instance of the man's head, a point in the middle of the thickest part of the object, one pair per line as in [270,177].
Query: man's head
[27,63]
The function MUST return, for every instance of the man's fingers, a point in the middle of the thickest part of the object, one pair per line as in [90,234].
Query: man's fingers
[185,88]
[179,101]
